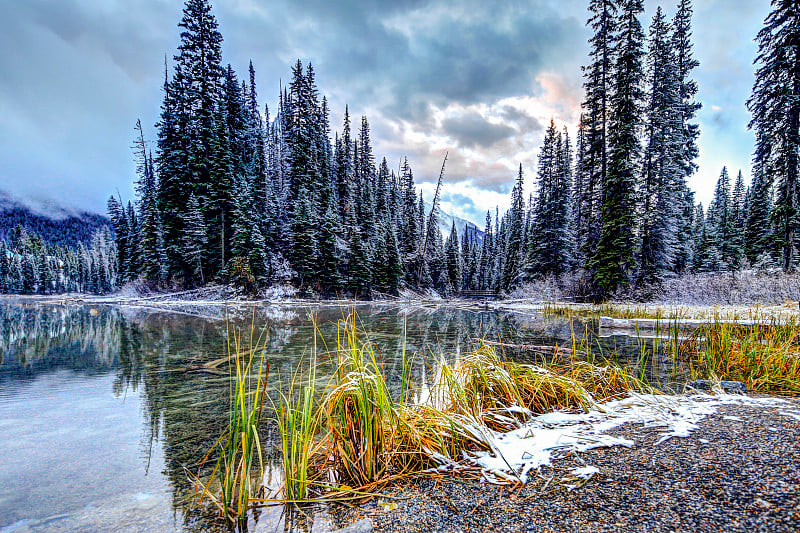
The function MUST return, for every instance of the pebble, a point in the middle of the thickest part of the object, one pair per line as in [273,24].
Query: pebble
[746,479]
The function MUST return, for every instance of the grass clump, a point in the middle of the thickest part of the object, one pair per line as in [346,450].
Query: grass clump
[363,434]
[235,483]
[297,426]
[358,410]
[765,358]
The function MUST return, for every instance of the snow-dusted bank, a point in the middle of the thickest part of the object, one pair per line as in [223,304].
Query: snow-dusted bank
[516,453]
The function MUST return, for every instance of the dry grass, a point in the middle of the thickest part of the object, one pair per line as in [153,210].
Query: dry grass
[765,358]
[367,437]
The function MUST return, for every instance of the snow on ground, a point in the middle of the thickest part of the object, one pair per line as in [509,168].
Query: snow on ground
[519,452]
[790,310]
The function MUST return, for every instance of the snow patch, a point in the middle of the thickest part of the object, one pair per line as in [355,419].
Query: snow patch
[514,454]
[280,292]
[791,414]
[585,472]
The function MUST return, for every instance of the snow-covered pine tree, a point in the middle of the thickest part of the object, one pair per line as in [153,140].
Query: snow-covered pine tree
[580,208]
[539,260]
[612,262]
[360,281]
[328,266]
[344,168]
[409,221]
[593,155]
[453,265]
[5,260]
[516,220]
[304,136]
[738,201]
[684,251]
[775,106]
[194,237]
[662,178]
[119,222]
[718,224]
[303,251]
[256,147]
[757,232]
[388,268]
[702,253]
[485,263]
[131,268]
[685,63]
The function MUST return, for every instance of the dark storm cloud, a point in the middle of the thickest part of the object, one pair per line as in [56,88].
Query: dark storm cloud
[472,130]
[76,74]
[523,120]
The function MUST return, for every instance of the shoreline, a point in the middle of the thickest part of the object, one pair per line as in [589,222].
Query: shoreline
[739,471]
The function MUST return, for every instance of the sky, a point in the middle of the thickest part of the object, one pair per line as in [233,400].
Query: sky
[480,79]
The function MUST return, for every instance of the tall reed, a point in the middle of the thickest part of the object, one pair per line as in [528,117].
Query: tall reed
[765,357]
[238,471]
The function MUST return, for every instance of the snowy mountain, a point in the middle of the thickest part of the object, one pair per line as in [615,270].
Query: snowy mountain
[446,220]
[56,224]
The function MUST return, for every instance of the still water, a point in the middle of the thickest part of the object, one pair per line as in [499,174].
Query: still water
[102,408]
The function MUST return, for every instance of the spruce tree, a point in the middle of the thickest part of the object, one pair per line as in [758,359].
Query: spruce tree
[453,264]
[662,184]
[738,201]
[612,262]
[719,224]
[329,261]
[684,64]
[303,251]
[360,281]
[757,232]
[595,122]
[775,106]
[119,221]
[513,252]
[487,255]
[550,242]
[194,239]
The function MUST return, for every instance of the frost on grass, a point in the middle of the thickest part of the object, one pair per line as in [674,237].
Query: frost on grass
[517,453]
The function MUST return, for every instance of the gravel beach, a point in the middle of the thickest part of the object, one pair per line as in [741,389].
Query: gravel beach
[739,471]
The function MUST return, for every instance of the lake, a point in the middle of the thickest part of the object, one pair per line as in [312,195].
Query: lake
[103,408]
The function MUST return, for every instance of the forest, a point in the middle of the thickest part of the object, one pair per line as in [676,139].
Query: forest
[231,191]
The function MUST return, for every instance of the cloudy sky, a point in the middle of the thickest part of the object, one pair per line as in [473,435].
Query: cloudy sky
[478,78]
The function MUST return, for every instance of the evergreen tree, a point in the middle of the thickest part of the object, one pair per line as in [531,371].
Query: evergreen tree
[613,260]
[119,221]
[738,200]
[684,64]
[360,266]
[662,183]
[330,233]
[757,232]
[453,259]
[719,224]
[303,255]
[513,251]
[388,267]
[194,238]
[593,152]
[702,256]
[775,105]
[550,243]
[410,221]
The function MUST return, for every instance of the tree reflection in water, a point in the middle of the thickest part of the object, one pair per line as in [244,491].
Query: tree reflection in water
[172,361]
